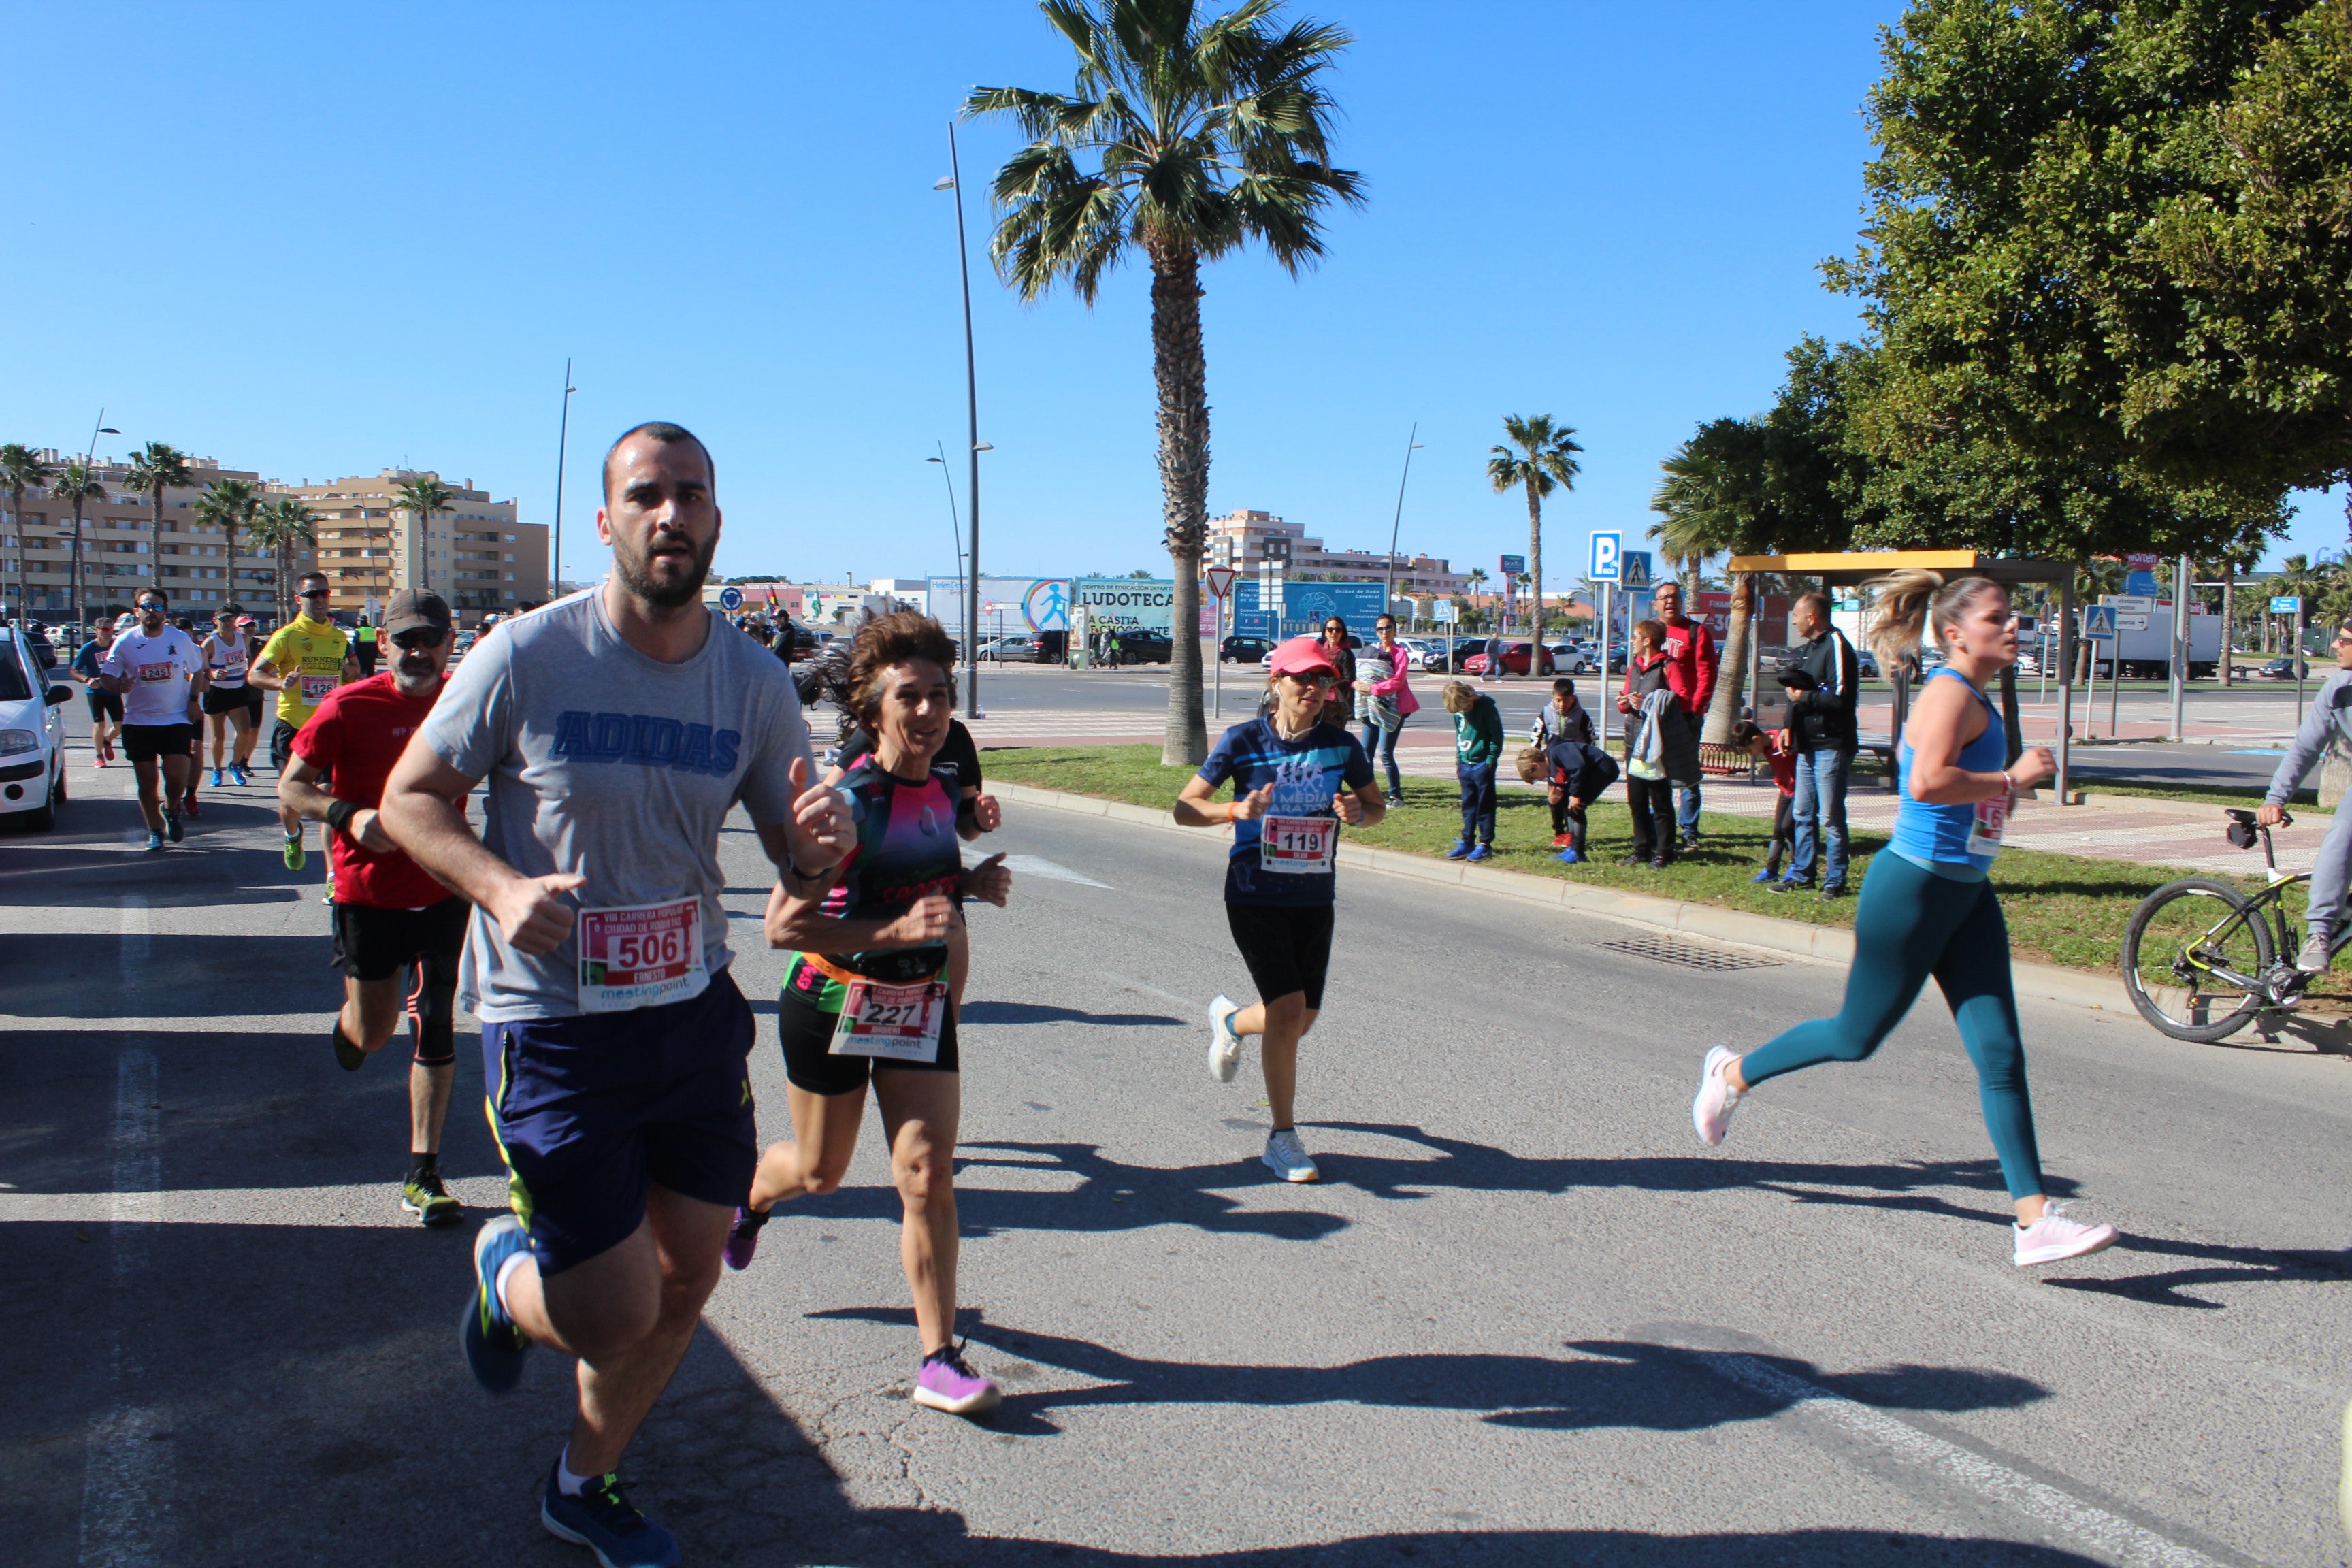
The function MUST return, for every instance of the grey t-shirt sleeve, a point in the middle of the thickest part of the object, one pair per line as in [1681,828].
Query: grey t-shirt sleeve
[767,792]
[472,727]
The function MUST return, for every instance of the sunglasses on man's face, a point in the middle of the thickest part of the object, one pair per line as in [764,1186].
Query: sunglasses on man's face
[152,610]
[417,637]
[316,592]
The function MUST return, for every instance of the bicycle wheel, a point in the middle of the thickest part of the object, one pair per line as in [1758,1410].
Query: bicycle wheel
[2180,935]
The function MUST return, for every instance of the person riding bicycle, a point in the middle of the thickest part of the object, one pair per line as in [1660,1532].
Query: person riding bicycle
[2329,721]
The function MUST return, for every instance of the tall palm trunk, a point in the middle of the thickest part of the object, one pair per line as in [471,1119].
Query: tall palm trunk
[23,577]
[228,536]
[155,504]
[1179,372]
[1731,676]
[1535,581]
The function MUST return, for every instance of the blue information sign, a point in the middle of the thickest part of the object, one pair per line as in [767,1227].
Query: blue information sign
[1306,605]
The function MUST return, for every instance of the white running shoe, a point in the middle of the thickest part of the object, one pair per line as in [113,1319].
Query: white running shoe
[1287,1157]
[1711,1111]
[2054,1238]
[1224,1046]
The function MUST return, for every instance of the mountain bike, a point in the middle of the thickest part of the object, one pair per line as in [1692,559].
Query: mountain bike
[2202,959]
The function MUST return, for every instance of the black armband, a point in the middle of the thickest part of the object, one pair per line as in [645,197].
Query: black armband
[339,815]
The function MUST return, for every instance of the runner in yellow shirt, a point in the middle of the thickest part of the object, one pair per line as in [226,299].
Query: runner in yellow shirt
[304,659]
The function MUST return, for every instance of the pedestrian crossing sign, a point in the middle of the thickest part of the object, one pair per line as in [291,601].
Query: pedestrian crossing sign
[2098,622]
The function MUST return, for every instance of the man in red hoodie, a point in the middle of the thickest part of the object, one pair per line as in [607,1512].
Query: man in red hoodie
[1691,660]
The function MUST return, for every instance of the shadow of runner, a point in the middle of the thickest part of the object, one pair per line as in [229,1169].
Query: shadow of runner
[1605,1383]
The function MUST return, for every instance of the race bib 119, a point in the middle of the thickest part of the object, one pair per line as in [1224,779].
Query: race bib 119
[640,956]
[1297,844]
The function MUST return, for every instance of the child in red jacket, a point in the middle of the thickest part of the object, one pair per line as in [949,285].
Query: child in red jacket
[1774,748]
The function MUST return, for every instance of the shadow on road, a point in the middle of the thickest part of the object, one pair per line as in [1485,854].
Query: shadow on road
[1039,1013]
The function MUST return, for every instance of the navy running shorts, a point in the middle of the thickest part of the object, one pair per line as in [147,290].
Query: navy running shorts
[589,1110]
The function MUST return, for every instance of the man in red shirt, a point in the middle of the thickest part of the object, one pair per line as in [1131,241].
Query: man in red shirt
[1691,661]
[390,915]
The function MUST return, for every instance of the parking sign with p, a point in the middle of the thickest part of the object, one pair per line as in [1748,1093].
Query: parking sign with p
[1608,551]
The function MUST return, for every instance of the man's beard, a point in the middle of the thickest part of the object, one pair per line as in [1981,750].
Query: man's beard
[412,668]
[637,578]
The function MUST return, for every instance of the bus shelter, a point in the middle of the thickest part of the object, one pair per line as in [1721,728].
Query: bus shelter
[1851,568]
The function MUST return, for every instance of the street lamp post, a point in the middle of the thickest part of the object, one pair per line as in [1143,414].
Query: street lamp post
[80,585]
[955,182]
[562,433]
[1411,446]
[955,528]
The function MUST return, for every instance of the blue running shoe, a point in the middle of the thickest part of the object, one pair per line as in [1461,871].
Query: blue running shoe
[494,1345]
[242,776]
[154,842]
[217,783]
[601,1519]
[1484,852]
[1766,875]
[1568,858]
[1461,848]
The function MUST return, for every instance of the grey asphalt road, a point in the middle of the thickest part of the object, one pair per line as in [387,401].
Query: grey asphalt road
[1525,1318]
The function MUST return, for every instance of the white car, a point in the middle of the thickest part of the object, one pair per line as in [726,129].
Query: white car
[1420,655]
[32,735]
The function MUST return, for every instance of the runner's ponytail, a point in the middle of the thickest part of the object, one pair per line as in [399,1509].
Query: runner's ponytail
[1915,601]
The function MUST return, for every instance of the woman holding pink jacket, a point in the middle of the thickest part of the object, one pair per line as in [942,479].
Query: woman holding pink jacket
[1388,699]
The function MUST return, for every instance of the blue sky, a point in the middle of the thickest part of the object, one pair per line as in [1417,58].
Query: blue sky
[325,240]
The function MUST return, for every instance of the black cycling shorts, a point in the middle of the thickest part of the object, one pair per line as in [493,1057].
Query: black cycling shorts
[225,700]
[806,1031]
[150,742]
[282,746]
[376,945]
[106,705]
[1287,948]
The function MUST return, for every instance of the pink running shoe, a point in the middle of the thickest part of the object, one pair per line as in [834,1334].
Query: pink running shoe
[948,1382]
[2053,1239]
[743,1239]
[1711,1111]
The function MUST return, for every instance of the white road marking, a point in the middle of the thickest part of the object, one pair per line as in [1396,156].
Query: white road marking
[1032,866]
[126,1472]
[2096,1528]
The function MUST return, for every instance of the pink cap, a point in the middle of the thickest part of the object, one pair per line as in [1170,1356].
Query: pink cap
[1300,655]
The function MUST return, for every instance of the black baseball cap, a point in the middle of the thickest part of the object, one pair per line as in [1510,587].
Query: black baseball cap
[414,607]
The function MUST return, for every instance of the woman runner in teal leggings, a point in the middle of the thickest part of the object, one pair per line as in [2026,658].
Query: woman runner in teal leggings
[1927,907]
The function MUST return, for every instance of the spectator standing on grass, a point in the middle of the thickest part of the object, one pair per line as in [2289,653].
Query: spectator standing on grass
[1820,735]
[1772,748]
[1477,751]
[1689,651]
[1339,702]
[1661,746]
[1563,718]
[1573,773]
[1388,699]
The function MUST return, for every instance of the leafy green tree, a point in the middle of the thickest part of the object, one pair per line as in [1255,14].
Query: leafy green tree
[76,484]
[1541,459]
[22,468]
[154,468]
[2091,235]
[423,499]
[229,505]
[1183,139]
[281,527]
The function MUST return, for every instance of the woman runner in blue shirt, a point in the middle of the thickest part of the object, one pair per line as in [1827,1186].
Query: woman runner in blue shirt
[1927,907]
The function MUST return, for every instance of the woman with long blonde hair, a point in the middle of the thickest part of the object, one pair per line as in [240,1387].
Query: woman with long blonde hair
[1927,907]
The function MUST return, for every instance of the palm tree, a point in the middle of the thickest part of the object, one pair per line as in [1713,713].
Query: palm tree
[1202,135]
[155,468]
[425,498]
[280,527]
[1711,498]
[22,468]
[76,484]
[229,505]
[1545,461]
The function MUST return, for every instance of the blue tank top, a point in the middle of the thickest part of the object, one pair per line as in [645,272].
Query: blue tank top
[1962,835]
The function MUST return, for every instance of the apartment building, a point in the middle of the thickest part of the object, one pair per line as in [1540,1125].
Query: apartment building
[119,544]
[1257,534]
[474,554]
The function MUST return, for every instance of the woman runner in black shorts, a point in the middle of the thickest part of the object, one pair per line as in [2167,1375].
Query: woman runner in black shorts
[1296,779]
[866,996]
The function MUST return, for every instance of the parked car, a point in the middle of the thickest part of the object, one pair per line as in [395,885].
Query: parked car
[2278,670]
[1145,648]
[1867,662]
[1569,658]
[1515,655]
[1239,649]
[32,735]
[1010,650]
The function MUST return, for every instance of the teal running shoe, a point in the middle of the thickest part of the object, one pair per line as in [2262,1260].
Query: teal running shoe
[494,1345]
[607,1525]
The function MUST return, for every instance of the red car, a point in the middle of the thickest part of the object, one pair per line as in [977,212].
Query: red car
[1515,660]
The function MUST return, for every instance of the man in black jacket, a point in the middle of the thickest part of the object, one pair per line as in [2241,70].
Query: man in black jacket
[1822,735]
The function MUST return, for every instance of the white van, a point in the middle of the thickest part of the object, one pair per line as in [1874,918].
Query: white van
[32,735]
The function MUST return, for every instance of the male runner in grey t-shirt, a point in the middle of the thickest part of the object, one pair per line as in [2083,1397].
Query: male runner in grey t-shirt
[616,728]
